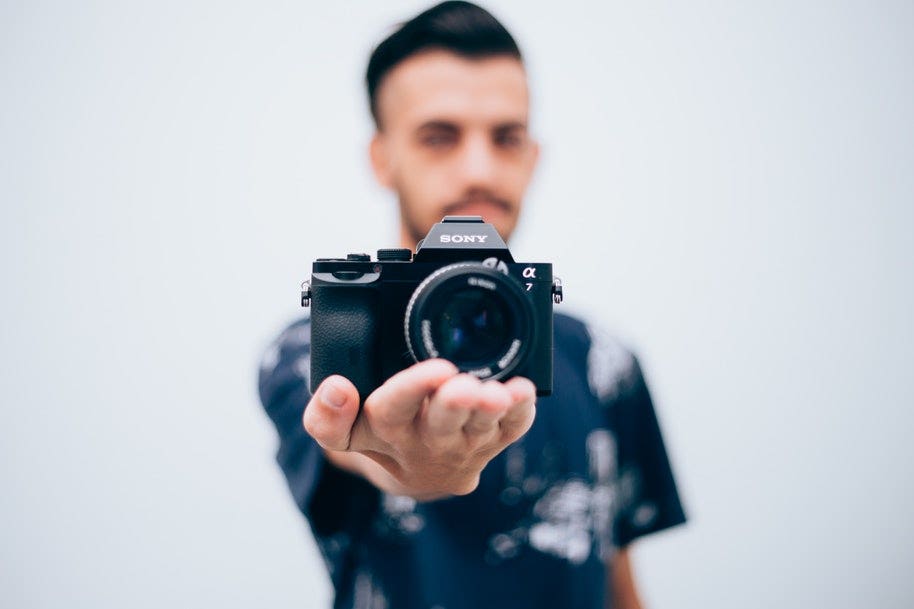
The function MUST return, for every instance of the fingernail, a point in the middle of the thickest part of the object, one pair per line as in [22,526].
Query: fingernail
[333,395]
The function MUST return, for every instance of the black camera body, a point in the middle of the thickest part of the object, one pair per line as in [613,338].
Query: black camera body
[462,297]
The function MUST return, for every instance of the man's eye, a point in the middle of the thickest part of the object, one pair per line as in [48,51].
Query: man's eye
[438,140]
[509,140]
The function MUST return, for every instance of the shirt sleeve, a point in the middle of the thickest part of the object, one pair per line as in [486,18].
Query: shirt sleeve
[650,498]
[331,499]
[647,498]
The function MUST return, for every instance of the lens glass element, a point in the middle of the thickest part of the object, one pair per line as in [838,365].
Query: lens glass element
[472,329]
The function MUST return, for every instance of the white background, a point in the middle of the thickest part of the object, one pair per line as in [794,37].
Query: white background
[729,185]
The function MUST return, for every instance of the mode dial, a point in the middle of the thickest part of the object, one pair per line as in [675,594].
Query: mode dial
[399,254]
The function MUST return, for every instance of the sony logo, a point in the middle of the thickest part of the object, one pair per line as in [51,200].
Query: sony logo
[463,238]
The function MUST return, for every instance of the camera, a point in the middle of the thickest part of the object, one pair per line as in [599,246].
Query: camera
[462,297]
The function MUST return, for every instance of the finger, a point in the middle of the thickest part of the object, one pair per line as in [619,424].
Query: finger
[398,400]
[330,414]
[451,406]
[495,400]
[520,415]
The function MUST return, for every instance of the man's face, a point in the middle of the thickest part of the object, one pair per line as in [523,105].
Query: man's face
[453,140]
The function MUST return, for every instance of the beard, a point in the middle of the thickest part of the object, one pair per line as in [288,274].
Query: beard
[417,228]
[478,195]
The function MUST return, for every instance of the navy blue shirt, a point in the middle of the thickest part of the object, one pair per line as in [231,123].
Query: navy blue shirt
[589,477]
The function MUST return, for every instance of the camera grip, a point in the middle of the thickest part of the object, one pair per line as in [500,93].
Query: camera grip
[343,337]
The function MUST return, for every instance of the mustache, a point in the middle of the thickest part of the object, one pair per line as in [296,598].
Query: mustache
[478,197]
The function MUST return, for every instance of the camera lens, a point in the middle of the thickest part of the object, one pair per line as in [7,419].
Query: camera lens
[471,328]
[474,316]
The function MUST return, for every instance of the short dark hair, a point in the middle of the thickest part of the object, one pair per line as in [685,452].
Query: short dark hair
[457,26]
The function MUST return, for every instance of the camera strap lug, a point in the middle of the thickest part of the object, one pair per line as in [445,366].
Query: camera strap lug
[306,293]
[557,292]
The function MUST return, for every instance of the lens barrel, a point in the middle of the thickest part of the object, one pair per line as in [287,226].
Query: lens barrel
[477,317]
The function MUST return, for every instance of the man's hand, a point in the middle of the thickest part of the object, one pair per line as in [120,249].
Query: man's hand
[426,433]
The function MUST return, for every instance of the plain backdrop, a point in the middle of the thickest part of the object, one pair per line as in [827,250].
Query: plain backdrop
[729,186]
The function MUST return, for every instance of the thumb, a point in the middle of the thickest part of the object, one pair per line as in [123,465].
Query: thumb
[331,413]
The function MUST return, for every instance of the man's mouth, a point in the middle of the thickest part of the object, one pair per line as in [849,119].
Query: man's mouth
[478,207]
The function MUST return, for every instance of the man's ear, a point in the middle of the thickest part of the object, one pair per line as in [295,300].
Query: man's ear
[380,160]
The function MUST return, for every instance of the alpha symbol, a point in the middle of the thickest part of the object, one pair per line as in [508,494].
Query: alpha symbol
[530,272]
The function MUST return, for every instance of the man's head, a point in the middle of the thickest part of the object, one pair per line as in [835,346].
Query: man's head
[448,93]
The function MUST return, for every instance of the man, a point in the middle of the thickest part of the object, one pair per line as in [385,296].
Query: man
[442,490]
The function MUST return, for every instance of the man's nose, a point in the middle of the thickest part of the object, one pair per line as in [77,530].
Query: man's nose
[479,163]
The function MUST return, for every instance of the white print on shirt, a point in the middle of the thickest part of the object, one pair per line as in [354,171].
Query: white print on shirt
[574,517]
[270,358]
[565,527]
[332,548]
[367,594]
[514,475]
[302,368]
[295,337]
[398,516]
[602,458]
[610,366]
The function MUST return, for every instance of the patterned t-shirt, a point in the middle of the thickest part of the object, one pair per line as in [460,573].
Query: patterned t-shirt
[589,477]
